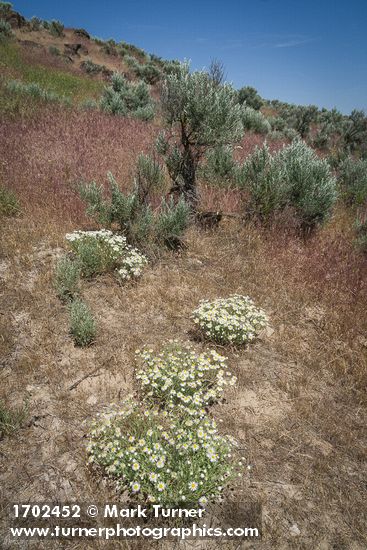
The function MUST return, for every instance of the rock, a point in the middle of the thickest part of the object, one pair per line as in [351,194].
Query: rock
[83,33]
[208,220]
[15,20]
[106,73]
[75,49]
[294,530]
[30,44]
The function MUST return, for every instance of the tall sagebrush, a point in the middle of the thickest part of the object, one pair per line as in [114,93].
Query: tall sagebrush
[296,177]
[202,115]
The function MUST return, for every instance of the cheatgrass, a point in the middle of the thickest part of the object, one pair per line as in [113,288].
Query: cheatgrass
[9,204]
[11,418]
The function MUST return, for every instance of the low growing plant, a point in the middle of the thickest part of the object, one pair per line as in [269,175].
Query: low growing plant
[181,379]
[5,30]
[36,91]
[9,204]
[82,324]
[157,458]
[67,275]
[11,418]
[234,320]
[101,251]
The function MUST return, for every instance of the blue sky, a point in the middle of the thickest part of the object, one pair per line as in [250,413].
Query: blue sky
[300,51]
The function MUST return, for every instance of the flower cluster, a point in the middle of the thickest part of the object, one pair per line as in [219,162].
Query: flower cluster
[233,320]
[159,457]
[103,250]
[180,378]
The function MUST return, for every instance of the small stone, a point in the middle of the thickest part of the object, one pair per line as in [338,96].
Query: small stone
[294,530]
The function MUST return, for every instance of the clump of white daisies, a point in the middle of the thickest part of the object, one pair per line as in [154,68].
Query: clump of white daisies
[181,378]
[166,449]
[102,250]
[162,458]
[234,320]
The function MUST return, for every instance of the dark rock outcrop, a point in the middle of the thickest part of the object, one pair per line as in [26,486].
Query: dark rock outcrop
[75,50]
[83,33]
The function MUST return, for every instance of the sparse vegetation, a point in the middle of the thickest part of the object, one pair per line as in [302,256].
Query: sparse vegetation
[9,204]
[11,418]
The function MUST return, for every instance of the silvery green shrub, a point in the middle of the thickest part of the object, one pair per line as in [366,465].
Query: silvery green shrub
[125,98]
[5,29]
[255,121]
[219,166]
[202,115]
[296,177]
[82,324]
[353,180]
[67,276]
[56,28]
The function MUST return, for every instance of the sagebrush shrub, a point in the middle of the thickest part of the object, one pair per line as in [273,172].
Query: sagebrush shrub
[56,28]
[82,324]
[53,50]
[220,166]
[171,220]
[295,176]
[353,180]
[203,115]
[131,211]
[5,8]
[126,98]
[9,204]
[5,29]
[161,458]
[67,275]
[181,379]
[232,320]
[255,121]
